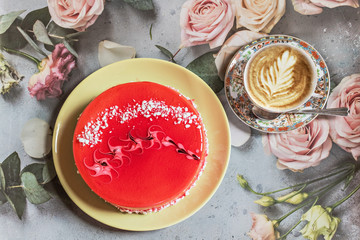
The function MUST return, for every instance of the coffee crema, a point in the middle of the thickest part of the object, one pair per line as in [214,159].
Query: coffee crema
[279,78]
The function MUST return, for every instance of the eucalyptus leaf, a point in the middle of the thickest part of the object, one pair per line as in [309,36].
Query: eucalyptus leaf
[2,179]
[13,190]
[7,19]
[11,170]
[204,66]
[166,52]
[48,172]
[17,200]
[31,42]
[141,4]
[41,33]
[12,38]
[3,198]
[70,48]
[41,14]
[35,193]
[36,169]
[57,33]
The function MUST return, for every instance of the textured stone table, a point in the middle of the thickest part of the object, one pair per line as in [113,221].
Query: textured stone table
[336,35]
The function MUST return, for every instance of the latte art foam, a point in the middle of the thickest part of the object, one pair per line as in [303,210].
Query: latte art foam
[279,78]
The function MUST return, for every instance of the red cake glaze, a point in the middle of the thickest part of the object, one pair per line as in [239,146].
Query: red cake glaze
[140,146]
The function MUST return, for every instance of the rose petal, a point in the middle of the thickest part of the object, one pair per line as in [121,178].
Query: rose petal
[110,52]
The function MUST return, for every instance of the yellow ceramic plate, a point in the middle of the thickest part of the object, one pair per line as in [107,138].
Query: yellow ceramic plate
[165,73]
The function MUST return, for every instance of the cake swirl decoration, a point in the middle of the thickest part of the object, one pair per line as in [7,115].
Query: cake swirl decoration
[114,159]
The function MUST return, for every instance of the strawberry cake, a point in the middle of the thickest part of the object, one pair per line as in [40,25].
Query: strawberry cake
[140,146]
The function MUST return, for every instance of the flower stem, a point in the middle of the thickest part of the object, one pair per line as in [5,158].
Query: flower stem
[345,198]
[290,230]
[300,184]
[37,61]
[172,59]
[294,210]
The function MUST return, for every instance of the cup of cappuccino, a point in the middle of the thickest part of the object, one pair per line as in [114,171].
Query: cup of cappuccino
[279,78]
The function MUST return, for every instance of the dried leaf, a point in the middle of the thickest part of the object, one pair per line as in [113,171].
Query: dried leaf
[204,66]
[7,19]
[141,4]
[35,193]
[41,33]
[110,52]
[36,138]
[9,77]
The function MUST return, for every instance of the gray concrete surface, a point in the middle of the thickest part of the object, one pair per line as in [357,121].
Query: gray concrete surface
[335,33]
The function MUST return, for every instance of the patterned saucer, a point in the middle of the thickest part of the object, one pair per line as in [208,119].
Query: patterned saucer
[239,100]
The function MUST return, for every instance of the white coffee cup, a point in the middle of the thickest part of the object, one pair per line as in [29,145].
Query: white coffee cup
[280,78]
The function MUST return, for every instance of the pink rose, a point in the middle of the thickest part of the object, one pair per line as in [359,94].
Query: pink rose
[258,15]
[302,148]
[231,45]
[311,7]
[205,21]
[345,131]
[262,228]
[76,14]
[54,70]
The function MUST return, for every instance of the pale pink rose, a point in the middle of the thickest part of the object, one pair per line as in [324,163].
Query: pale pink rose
[258,16]
[345,131]
[262,228]
[54,70]
[231,45]
[301,148]
[205,21]
[311,7]
[76,14]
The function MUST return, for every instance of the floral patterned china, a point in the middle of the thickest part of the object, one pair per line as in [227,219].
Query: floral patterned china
[239,100]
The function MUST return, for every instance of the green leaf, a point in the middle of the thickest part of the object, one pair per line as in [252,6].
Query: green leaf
[12,38]
[69,47]
[31,42]
[58,33]
[41,33]
[36,169]
[150,31]
[13,192]
[166,52]
[41,14]
[3,198]
[141,4]
[2,179]
[17,200]
[35,193]
[7,19]
[204,66]
[11,170]
[49,172]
